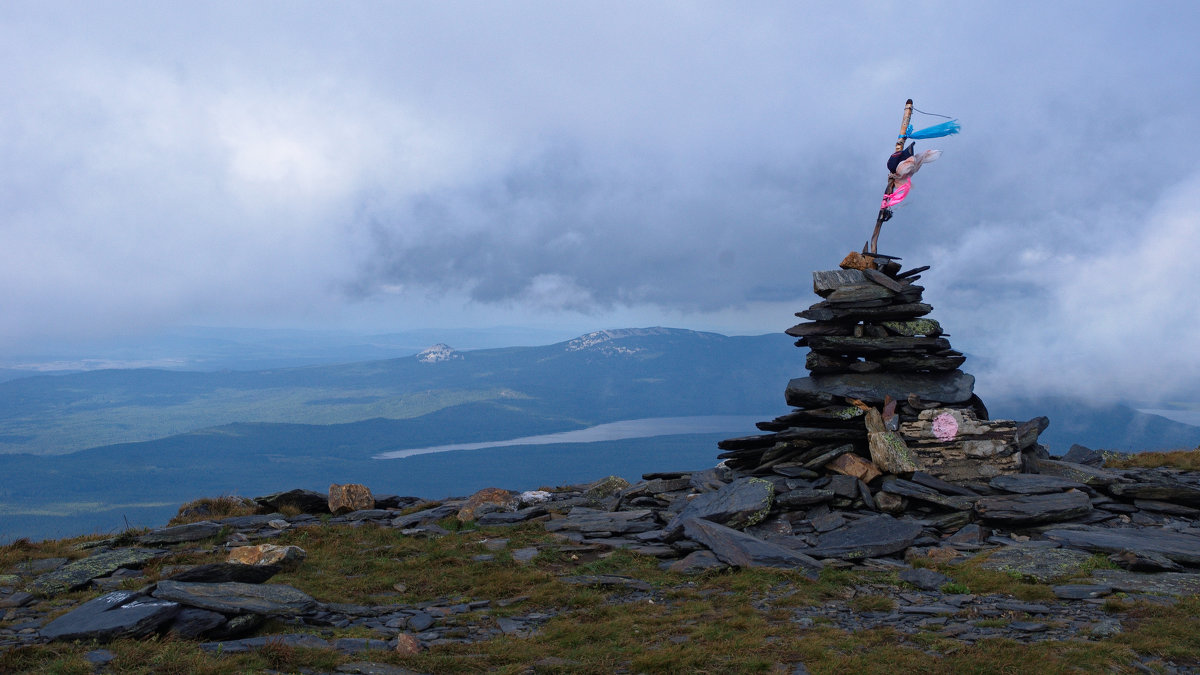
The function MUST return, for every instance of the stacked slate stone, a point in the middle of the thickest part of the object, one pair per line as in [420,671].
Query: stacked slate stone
[870,343]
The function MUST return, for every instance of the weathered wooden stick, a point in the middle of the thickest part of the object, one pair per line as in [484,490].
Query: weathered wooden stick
[891,184]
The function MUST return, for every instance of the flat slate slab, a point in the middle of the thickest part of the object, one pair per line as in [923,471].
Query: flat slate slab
[238,598]
[594,521]
[867,538]
[952,387]
[113,615]
[79,573]
[743,550]
[1033,484]
[1163,583]
[1040,563]
[1036,508]
[1182,548]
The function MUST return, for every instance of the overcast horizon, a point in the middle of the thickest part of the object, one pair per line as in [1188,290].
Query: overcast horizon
[573,167]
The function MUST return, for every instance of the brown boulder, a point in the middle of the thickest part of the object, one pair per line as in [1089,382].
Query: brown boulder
[497,496]
[349,497]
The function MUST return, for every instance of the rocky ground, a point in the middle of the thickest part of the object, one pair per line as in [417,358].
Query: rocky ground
[1078,542]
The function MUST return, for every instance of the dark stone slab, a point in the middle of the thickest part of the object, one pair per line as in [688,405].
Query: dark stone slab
[222,572]
[1082,591]
[1177,546]
[181,533]
[871,537]
[824,312]
[1159,488]
[743,550]
[79,573]
[1037,562]
[696,562]
[832,344]
[304,501]
[915,364]
[1033,509]
[740,504]
[913,490]
[821,328]
[1033,484]
[1079,454]
[924,579]
[803,497]
[954,387]
[113,615]
[251,522]
[192,622]
[237,598]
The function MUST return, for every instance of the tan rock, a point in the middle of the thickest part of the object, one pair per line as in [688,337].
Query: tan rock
[349,497]
[890,453]
[287,557]
[407,644]
[497,496]
[856,261]
[851,464]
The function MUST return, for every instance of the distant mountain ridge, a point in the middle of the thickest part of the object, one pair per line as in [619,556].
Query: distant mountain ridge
[141,441]
[640,373]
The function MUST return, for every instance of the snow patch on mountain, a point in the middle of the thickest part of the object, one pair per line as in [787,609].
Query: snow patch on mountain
[438,353]
[602,341]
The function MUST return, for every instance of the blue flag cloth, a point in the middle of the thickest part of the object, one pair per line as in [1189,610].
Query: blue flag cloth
[936,131]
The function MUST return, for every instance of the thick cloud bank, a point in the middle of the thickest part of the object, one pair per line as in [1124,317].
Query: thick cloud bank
[453,164]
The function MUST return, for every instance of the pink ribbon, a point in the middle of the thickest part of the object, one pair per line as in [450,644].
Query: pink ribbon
[899,192]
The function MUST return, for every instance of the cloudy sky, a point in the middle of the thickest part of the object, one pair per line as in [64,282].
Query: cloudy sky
[388,166]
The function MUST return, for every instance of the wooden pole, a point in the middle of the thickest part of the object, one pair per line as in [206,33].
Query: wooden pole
[891,184]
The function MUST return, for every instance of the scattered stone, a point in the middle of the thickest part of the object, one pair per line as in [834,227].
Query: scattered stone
[742,550]
[924,579]
[1176,546]
[285,558]
[740,504]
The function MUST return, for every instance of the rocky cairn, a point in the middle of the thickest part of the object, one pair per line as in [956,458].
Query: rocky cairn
[885,394]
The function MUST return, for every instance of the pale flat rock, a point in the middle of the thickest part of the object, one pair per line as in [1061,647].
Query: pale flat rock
[1041,563]
[1164,583]
[79,573]
[1177,546]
